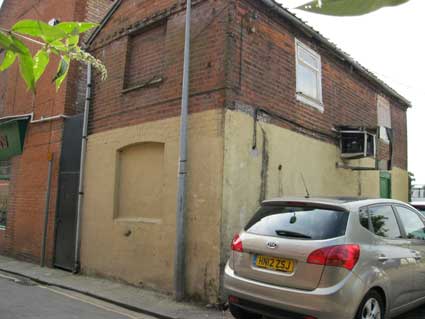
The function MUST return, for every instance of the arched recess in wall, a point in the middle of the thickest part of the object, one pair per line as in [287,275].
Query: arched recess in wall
[140,180]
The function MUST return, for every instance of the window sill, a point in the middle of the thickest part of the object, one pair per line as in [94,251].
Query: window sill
[138,220]
[2,228]
[151,82]
[309,101]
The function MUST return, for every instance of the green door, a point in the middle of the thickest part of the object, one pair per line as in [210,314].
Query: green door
[385,182]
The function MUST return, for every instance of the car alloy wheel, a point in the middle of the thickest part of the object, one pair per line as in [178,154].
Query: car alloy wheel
[371,309]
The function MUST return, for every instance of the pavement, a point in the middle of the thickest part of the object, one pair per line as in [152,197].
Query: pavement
[138,300]
[130,302]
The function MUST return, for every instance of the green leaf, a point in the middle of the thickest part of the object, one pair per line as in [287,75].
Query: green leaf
[41,60]
[74,28]
[25,61]
[19,47]
[9,59]
[348,7]
[39,29]
[5,41]
[58,46]
[73,40]
[26,67]
[62,71]
[10,43]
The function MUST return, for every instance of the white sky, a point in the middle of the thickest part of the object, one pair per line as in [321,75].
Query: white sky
[391,44]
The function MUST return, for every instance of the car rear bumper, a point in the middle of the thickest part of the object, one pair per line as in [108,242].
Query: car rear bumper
[338,302]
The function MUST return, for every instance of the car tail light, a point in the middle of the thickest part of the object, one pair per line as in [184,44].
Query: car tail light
[237,244]
[345,256]
[233,300]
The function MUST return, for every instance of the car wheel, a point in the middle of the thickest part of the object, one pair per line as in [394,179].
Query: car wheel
[372,307]
[240,313]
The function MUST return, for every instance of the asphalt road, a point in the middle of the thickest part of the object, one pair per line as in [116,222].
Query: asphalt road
[22,299]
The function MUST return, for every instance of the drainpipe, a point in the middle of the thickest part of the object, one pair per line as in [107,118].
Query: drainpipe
[82,171]
[179,263]
[46,210]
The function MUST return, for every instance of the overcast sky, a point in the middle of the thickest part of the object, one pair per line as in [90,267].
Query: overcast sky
[390,43]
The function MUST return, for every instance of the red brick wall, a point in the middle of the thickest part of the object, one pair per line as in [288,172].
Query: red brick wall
[266,78]
[23,235]
[114,108]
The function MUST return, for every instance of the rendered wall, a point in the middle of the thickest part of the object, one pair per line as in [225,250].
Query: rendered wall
[276,168]
[399,184]
[140,251]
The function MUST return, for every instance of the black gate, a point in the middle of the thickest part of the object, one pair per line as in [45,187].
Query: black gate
[66,213]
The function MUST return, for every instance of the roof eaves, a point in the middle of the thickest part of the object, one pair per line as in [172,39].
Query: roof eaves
[311,32]
[102,24]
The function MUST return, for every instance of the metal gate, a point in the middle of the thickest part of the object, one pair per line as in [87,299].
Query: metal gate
[66,212]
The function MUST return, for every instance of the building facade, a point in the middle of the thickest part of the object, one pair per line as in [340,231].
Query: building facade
[418,193]
[271,102]
[32,135]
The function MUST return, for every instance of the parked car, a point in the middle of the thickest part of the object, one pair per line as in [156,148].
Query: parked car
[328,259]
[420,206]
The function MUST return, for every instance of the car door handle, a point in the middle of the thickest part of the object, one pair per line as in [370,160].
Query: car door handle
[382,258]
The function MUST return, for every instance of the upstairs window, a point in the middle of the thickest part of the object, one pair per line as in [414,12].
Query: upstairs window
[384,118]
[309,76]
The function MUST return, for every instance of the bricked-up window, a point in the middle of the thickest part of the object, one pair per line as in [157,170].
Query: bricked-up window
[384,118]
[145,52]
[309,76]
[4,191]
[140,179]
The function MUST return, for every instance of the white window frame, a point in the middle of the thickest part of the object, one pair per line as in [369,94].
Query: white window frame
[302,97]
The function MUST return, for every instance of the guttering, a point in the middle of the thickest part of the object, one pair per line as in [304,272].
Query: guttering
[310,32]
[77,263]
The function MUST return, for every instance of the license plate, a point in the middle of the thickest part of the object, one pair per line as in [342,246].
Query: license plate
[274,263]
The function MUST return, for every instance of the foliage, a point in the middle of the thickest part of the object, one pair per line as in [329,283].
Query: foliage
[61,40]
[348,7]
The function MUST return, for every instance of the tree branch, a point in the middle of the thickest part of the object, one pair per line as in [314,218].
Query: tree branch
[22,36]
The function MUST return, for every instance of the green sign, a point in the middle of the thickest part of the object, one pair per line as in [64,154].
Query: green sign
[12,136]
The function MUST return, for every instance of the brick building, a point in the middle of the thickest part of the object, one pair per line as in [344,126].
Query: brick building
[31,128]
[272,103]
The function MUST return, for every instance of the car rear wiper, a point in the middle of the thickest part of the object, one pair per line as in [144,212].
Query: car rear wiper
[287,233]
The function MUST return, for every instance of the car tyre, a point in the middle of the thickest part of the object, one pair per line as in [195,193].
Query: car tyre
[371,307]
[240,313]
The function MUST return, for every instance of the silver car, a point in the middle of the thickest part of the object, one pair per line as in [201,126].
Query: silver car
[328,259]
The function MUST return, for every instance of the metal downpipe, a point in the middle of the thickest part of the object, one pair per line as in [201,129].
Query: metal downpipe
[179,263]
[46,210]
[82,169]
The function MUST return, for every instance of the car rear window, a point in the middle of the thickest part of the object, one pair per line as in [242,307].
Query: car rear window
[309,223]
